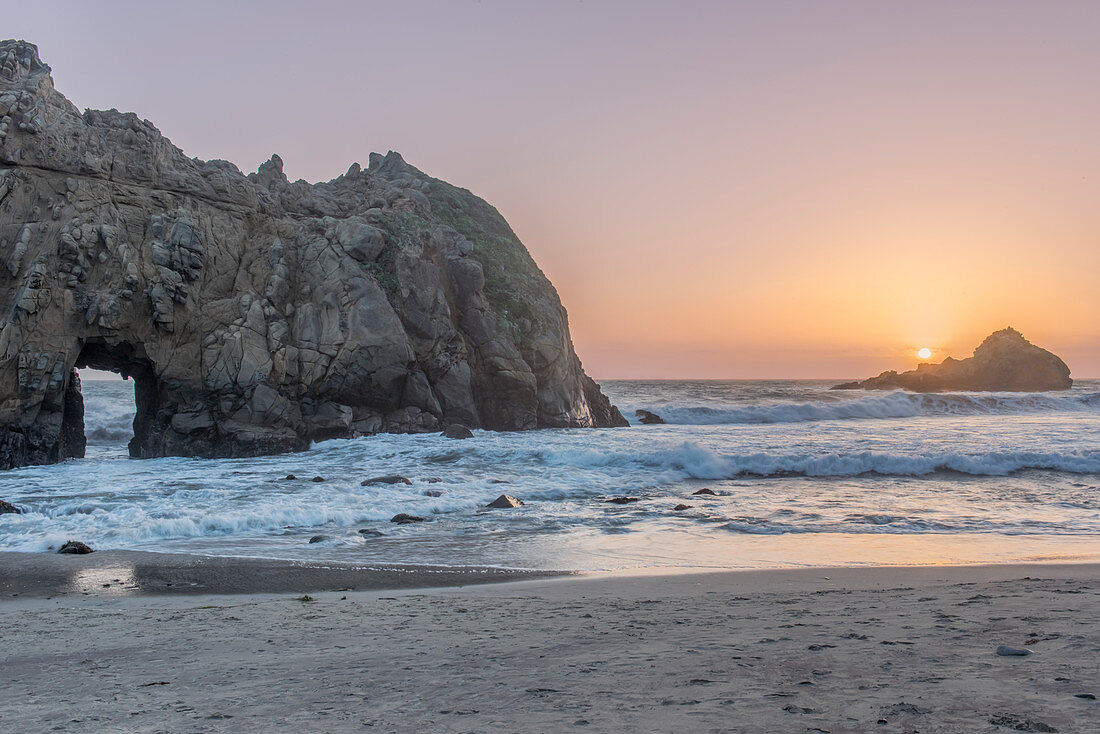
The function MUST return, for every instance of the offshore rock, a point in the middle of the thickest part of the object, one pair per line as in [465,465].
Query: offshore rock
[256,314]
[456,430]
[1004,362]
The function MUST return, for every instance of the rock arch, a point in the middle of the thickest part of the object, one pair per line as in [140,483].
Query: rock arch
[257,314]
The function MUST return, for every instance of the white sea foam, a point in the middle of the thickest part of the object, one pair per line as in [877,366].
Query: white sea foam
[876,406]
[784,458]
[696,462]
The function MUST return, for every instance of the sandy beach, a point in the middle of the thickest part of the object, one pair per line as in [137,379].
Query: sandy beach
[819,650]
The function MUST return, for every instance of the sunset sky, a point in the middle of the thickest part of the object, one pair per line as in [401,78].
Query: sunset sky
[767,189]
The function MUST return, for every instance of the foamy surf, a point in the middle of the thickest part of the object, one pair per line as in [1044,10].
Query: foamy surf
[783,458]
[875,406]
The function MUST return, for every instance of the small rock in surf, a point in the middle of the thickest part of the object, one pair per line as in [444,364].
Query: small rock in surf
[647,418]
[387,479]
[505,501]
[74,547]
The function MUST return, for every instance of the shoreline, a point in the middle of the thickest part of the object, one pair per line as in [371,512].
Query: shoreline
[124,573]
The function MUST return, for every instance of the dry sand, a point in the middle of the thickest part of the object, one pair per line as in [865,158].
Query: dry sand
[873,649]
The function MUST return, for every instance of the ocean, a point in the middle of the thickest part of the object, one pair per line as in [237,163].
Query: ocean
[802,476]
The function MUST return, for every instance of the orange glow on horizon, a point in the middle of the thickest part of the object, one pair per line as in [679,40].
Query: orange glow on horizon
[783,191]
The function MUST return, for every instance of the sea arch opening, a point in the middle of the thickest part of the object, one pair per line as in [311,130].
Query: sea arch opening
[131,362]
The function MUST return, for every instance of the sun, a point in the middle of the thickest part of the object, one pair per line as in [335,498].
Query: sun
[924,352]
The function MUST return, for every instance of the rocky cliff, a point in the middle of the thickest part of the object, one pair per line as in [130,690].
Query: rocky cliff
[1005,361]
[256,314]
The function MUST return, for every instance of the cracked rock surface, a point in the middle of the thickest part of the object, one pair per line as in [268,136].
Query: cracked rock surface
[256,314]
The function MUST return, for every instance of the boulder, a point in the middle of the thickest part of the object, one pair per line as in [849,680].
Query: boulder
[1006,651]
[457,430]
[403,519]
[647,418]
[387,479]
[256,315]
[317,479]
[703,491]
[74,547]
[622,500]
[505,501]
[8,508]
[1004,362]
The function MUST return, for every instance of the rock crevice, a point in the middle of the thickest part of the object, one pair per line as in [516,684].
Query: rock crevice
[256,314]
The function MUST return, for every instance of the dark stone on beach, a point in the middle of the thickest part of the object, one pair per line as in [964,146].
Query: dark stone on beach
[1086,696]
[74,547]
[457,430]
[704,490]
[387,479]
[7,508]
[1005,361]
[290,476]
[319,539]
[403,519]
[1019,723]
[622,500]
[1006,651]
[317,479]
[680,507]
[371,533]
[505,501]
[646,418]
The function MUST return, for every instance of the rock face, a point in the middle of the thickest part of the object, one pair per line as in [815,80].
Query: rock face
[254,313]
[1005,361]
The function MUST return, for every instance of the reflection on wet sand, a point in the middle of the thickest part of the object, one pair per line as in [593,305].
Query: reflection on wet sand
[121,573]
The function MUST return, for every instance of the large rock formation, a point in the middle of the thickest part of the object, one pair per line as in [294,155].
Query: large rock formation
[1005,361]
[256,314]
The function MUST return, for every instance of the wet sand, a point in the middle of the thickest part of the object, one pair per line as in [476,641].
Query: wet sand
[841,650]
[122,573]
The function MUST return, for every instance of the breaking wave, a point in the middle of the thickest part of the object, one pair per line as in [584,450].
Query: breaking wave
[697,462]
[887,405]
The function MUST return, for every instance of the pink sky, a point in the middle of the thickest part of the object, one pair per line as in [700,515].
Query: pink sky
[767,189]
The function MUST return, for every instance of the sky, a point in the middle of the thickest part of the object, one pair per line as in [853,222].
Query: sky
[716,189]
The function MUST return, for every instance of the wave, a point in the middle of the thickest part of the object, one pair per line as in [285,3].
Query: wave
[109,418]
[887,405]
[696,462]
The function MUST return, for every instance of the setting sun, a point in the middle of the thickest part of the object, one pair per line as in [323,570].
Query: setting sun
[924,352]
